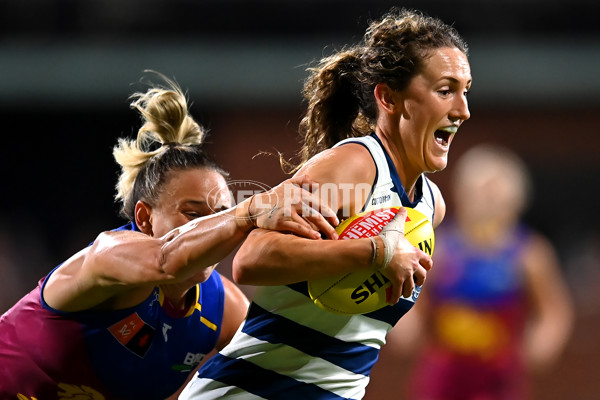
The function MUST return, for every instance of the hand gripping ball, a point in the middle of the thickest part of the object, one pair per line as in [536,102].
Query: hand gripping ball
[364,291]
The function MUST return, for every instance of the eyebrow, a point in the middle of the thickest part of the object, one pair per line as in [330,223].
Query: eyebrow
[204,203]
[454,80]
[195,202]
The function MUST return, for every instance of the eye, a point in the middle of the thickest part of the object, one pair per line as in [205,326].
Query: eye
[192,215]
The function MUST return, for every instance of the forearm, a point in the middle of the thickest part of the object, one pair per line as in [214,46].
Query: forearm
[201,243]
[273,258]
[546,339]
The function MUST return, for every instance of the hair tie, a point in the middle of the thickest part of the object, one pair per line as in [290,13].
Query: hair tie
[170,144]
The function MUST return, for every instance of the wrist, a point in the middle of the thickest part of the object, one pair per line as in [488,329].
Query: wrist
[378,255]
[244,217]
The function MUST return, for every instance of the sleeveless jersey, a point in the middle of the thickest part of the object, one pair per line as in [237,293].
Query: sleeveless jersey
[142,352]
[478,302]
[288,348]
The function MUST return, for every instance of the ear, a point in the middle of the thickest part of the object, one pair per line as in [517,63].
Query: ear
[386,98]
[143,212]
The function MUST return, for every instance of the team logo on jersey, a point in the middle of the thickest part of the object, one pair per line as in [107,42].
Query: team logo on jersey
[68,391]
[133,333]
[78,392]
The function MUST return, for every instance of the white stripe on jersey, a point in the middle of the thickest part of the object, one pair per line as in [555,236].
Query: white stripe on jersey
[288,303]
[295,364]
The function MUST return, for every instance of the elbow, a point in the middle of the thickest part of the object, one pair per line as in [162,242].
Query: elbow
[262,259]
[242,271]
[253,261]
[245,261]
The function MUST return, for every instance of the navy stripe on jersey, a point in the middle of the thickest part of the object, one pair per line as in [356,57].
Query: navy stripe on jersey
[432,200]
[350,356]
[391,314]
[300,287]
[398,186]
[252,378]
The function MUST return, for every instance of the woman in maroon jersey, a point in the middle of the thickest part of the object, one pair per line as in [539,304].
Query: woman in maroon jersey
[132,314]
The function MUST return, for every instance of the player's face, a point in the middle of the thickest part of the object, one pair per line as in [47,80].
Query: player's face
[187,195]
[494,191]
[434,106]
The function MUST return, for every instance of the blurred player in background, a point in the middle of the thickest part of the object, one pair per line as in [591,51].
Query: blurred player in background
[132,314]
[398,98]
[496,307]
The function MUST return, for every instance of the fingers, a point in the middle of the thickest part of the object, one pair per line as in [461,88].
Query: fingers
[319,222]
[303,199]
[393,294]
[407,288]
[311,217]
[301,229]
[407,272]
[419,276]
[426,261]
[318,207]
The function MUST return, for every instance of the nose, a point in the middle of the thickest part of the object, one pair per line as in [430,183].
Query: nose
[460,111]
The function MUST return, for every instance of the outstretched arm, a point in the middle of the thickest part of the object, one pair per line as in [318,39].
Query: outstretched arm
[121,261]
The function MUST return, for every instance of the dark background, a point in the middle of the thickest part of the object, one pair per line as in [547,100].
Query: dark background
[68,67]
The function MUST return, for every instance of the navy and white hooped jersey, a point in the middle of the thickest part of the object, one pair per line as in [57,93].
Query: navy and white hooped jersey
[288,348]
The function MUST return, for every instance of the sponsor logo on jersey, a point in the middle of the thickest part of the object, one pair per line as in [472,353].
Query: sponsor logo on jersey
[375,201]
[190,361]
[133,333]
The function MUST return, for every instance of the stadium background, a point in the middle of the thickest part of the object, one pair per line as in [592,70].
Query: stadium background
[67,68]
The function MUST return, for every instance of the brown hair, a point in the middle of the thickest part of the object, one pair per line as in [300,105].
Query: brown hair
[339,90]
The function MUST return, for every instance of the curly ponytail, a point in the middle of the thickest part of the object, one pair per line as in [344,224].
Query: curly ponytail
[334,106]
[169,139]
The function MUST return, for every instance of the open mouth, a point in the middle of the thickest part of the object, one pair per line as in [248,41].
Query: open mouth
[442,136]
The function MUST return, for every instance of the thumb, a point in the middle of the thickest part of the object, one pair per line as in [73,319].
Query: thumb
[397,223]
[391,233]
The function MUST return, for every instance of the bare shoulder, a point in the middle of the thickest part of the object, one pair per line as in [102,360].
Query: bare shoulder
[440,204]
[539,255]
[234,294]
[349,163]
[235,310]
[348,171]
[115,262]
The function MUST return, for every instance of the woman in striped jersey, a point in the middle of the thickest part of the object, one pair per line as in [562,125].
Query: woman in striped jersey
[380,115]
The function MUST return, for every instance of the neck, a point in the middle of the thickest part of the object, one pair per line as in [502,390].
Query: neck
[177,295]
[396,152]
